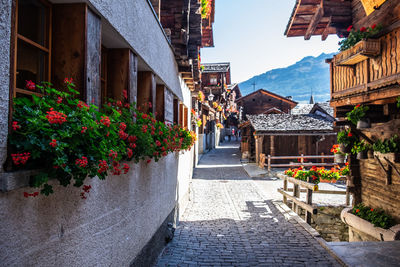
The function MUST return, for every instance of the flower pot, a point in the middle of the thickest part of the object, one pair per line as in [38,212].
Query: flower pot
[359,52]
[345,149]
[362,155]
[340,158]
[364,123]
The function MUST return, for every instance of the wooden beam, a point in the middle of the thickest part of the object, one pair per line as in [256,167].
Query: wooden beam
[314,23]
[310,208]
[327,30]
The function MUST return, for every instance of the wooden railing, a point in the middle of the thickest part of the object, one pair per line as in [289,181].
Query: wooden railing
[310,188]
[302,162]
[371,73]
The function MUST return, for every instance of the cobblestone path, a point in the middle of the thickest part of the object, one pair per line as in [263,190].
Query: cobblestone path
[229,223]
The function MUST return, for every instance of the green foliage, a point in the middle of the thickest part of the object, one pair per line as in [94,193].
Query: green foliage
[391,145]
[357,35]
[71,141]
[357,113]
[375,216]
[346,138]
[398,102]
[360,146]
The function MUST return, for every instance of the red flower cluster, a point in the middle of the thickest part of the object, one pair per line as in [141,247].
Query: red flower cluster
[53,143]
[129,152]
[125,168]
[30,85]
[70,80]
[122,126]
[34,194]
[105,120]
[59,100]
[335,149]
[20,158]
[125,94]
[82,105]
[113,154]
[83,129]
[144,116]
[122,135]
[349,134]
[86,189]
[15,125]
[103,166]
[56,117]
[82,162]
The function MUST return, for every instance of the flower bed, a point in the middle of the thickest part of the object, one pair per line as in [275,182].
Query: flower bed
[71,140]
[317,175]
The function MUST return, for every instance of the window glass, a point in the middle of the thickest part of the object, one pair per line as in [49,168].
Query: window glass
[32,21]
[32,64]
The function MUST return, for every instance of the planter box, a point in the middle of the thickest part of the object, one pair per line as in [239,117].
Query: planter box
[368,228]
[359,52]
[392,157]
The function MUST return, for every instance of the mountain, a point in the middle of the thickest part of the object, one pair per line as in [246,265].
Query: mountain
[297,80]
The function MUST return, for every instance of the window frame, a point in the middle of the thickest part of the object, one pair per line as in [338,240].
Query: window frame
[20,38]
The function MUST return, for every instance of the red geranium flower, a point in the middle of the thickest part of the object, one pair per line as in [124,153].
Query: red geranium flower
[363,29]
[373,26]
[59,100]
[15,125]
[349,28]
[30,85]
[70,80]
[53,143]
[349,134]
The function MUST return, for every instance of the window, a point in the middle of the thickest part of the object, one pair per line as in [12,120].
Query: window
[213,79]
[32,56]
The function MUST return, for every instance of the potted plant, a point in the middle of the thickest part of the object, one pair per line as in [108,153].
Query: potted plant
[340,157]
[346,139]
[361,149]
[357,117]
[359,45]
[388,149]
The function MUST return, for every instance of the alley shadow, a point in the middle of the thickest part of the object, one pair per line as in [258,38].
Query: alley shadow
[261,237]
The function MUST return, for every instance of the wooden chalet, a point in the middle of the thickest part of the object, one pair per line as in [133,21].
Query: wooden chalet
[262,100]
[286,135]
[367,74]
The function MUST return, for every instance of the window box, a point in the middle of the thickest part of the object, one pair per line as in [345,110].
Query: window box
[368,228]
[359,52]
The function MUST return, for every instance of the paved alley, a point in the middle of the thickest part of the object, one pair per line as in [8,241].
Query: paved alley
[231,223]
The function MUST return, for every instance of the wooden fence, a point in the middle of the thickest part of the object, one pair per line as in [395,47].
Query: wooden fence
[269,165]
[309,189]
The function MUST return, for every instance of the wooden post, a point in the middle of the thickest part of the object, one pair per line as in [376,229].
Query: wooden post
[322,159]
[269,163]
[160,102]
[309,201]
[285,189]
[302,159]
[146,91]
[296,193]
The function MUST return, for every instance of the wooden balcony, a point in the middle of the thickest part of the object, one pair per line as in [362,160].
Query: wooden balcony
[374,80]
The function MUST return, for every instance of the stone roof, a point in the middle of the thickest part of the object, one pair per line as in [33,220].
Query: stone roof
[302,109]
[327,107]
[216,67]
[289,123]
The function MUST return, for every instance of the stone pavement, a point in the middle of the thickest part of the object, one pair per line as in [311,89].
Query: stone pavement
[231,223]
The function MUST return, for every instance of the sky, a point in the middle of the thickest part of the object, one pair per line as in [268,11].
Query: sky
[250,35]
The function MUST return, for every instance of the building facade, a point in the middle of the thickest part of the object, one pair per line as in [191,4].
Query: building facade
[106,47]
